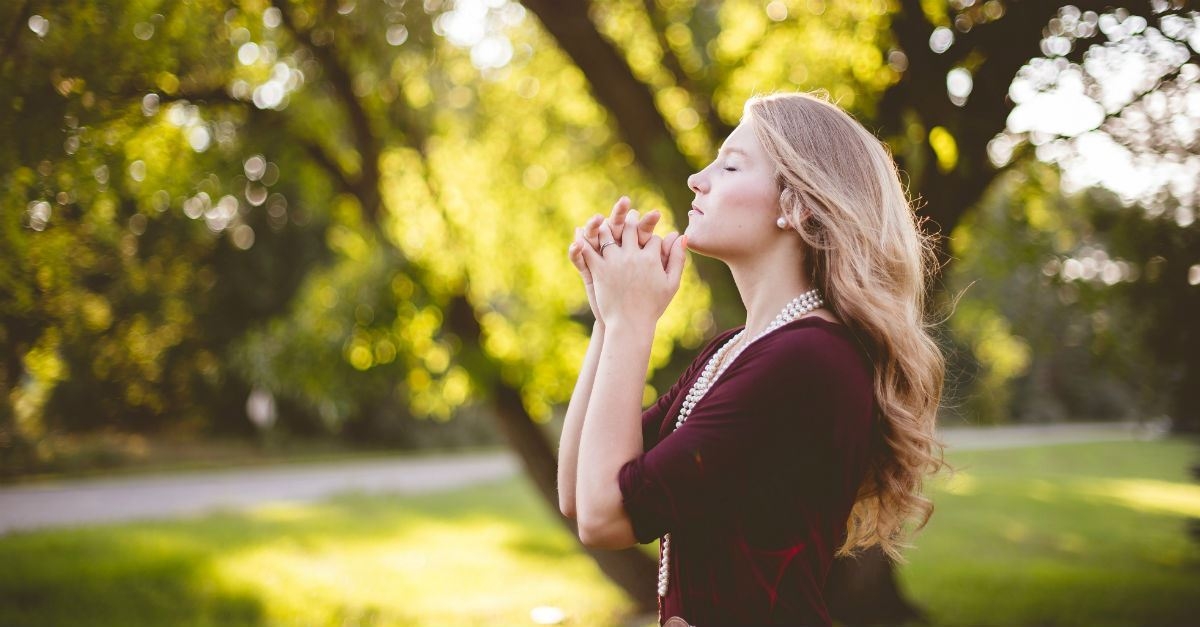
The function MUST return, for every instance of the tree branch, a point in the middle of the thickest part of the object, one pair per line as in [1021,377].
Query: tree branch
[629,100]
[14,33]
[717,127]
[311,145]
[366,185]
[640,123]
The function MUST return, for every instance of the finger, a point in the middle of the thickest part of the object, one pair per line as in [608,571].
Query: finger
[591,257]
[580,264]
[667,242]
[646,227]
[606,236]
[676,260]
[620,211]
[591,230]
[632,219]
[654,246]
[575,254]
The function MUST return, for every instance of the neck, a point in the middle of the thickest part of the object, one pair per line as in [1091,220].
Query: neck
[766,283]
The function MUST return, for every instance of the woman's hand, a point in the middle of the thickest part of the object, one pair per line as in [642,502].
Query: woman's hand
[631,283]
[589,235]
[586,236]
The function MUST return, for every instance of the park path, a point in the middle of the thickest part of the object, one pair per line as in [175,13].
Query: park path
[90,501]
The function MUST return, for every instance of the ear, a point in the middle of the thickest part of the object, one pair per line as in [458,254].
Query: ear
[787,197]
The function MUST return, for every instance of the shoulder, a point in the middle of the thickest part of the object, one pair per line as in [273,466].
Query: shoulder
[820,349]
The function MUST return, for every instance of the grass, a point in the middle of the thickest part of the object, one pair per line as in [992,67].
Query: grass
[1089,534]
[1084,534]
[480,556]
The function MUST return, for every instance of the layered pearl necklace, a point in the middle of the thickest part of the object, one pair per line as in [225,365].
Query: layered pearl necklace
[717,364]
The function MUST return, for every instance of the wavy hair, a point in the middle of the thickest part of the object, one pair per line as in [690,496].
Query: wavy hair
[841,191]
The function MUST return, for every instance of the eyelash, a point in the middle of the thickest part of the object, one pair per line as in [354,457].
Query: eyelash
[728,169]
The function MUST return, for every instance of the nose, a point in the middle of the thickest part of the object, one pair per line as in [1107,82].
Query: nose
[694,181]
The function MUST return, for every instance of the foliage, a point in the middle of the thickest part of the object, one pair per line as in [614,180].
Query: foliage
[1053,345]
[129,225]
[198,185]
[311,197]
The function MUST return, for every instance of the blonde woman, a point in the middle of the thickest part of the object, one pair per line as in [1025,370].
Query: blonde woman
[804,434]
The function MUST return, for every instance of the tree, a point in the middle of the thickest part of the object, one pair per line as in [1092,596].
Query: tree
[178,114]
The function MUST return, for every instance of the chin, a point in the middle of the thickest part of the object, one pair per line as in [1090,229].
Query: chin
[698,246]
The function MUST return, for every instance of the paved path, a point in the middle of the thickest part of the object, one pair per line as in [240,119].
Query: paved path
[87,501]
[1010,436]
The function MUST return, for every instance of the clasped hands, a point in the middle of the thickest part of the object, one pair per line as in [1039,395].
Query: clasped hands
[630,273]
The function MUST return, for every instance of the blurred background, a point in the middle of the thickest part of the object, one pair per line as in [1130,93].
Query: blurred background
[304,262]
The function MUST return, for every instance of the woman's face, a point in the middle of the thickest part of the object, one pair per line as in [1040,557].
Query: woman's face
[737,199]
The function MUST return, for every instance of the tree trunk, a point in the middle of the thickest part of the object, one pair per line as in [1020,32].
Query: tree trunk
[632,570]
[640,124]
[863,591]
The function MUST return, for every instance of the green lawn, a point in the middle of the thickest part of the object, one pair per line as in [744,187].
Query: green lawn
[1063,535]
[1085,534]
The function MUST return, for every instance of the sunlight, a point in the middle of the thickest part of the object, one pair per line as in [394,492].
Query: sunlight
[1149,495]
[283,512]
[960,483]
[444,571]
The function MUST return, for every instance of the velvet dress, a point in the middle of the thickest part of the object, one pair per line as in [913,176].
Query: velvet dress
[756,487]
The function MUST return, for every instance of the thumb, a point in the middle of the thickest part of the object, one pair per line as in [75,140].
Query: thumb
[676,260]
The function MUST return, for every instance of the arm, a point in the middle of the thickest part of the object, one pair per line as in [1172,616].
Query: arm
[632,290]
[568,445]
[612,435]
[588,236]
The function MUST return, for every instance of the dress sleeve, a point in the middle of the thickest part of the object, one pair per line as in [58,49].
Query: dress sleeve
[653,416]
[774,397]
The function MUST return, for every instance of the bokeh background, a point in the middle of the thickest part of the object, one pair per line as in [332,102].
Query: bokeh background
[302,233]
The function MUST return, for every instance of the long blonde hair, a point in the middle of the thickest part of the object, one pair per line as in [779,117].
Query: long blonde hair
[841,191]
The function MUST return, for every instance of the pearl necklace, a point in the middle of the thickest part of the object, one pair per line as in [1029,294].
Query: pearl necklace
[717,364]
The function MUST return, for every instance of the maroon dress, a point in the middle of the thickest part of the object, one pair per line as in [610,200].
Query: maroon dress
[756,487]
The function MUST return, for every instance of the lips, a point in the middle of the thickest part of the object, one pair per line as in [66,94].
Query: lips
[697,209]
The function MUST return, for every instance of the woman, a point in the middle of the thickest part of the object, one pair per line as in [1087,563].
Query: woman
[803,434]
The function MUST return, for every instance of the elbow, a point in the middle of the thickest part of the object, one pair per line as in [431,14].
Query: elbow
[597,535]
[592,536]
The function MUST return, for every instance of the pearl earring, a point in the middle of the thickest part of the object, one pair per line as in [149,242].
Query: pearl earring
[781,223]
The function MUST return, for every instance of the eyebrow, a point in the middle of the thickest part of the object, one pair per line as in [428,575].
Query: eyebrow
[732,149]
